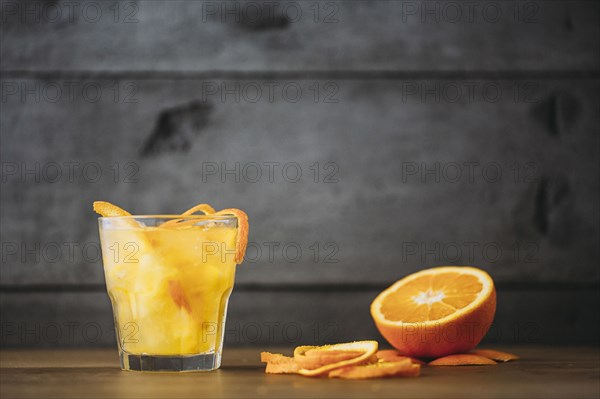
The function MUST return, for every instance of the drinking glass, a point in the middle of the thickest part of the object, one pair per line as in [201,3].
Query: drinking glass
[169,279]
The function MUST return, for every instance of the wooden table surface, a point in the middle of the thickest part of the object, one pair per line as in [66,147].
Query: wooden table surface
[543,372]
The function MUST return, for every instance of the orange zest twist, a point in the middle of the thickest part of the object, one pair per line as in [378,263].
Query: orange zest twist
[204,208]
[242,236]
[381,369]
[107,209]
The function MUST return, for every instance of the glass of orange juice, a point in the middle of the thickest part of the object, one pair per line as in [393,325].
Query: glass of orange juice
[169,279]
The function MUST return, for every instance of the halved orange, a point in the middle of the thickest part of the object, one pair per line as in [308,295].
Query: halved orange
[436,312]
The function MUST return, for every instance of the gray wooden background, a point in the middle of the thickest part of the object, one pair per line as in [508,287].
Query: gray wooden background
[365,139]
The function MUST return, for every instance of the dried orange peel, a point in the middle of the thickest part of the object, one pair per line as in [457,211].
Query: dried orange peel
[463,359]
[495,355]
[381,369]
[352,360]
[391,355]
[278,363]
[367,350]
[315,358]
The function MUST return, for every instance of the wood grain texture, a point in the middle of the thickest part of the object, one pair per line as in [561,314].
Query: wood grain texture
[394,191]
[541,373]
[294,317]
[302,36]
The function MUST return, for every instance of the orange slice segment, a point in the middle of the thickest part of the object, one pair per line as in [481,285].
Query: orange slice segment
[436,312]
[107,209]
[382,369]
[495,355]
[462,360]
[242,235]
[367,350]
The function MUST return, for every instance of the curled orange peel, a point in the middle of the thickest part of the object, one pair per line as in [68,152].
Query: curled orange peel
[106,209]
[462,359]
[352,360]
[366,348]
[242,235]
[204,208]
[495,355]
[315,358]
[278,363]
[381,369]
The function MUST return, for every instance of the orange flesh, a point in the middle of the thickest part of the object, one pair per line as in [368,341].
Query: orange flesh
[430,298]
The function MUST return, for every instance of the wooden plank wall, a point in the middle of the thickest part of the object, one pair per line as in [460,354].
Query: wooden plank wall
[365,139]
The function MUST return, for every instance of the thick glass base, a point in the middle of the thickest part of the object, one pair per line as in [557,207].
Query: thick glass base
[203,362]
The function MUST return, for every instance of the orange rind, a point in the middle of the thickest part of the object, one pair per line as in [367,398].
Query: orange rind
[242,235]
[367,350]
[381,369]
[462,360]
[315,358]
[317,361]
[204,208]
[390,355]
[495,355]
[106,209]
[278,363]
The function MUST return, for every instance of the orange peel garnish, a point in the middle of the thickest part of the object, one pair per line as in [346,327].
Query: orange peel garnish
[464,359]
[391,355]
[242,236]
[495,355]
[204,208]
[106,209]
[366,348]
[381,369]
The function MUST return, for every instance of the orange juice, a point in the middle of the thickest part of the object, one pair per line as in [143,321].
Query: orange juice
[169,284]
